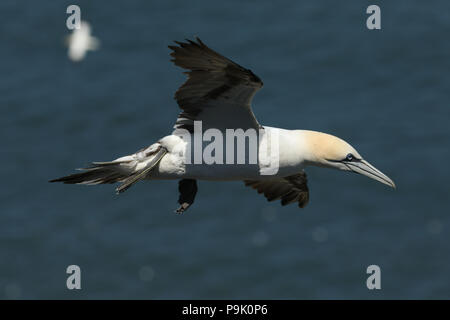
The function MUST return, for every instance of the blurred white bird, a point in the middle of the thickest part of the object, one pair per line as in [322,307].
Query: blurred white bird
[80,41]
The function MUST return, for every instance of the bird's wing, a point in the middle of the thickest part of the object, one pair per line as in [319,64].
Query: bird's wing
[218,91]
[289,189]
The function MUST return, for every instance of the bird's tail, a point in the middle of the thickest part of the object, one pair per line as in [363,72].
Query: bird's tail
[98,173]
[127,170]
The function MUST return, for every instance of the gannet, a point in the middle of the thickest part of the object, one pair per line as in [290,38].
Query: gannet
[218,94]
[80,41]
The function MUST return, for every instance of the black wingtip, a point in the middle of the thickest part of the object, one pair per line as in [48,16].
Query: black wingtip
[199,41]
[188,42]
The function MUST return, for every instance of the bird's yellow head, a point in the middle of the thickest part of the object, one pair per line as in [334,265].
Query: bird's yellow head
[326,150]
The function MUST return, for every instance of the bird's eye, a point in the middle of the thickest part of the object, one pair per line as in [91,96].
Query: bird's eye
[349,157]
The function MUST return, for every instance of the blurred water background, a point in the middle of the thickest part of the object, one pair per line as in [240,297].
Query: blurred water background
[387,92]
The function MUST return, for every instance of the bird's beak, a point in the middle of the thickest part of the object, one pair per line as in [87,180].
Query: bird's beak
[365,168]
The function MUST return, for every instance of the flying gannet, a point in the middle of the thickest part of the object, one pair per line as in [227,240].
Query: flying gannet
[218,94]
[80,41]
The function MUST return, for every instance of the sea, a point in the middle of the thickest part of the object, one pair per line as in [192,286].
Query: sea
[386,91]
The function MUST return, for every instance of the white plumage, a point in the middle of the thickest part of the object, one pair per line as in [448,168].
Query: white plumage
[218,93]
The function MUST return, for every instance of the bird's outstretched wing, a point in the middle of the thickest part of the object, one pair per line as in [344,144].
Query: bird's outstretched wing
[218,91]
[289,189]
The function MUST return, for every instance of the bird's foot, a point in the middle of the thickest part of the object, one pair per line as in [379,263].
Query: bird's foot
[184,206]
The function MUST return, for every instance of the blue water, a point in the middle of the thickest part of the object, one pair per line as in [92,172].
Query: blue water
[386,92]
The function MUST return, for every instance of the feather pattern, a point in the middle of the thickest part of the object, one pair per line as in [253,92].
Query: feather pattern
[289,189]
[128,169]
[218,91]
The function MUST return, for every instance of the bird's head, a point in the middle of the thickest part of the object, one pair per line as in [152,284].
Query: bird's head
[326,150]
